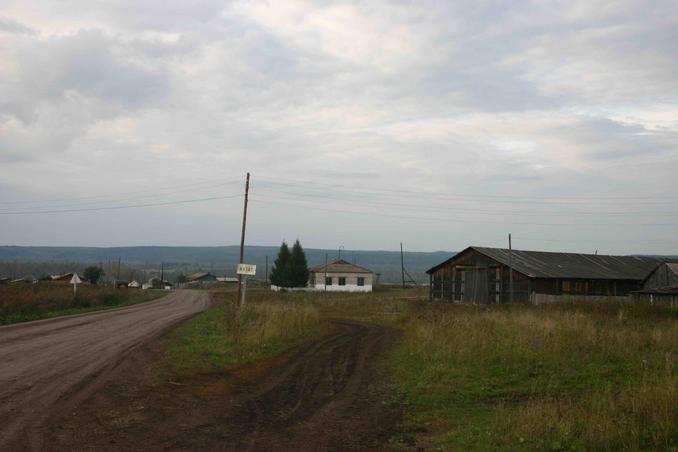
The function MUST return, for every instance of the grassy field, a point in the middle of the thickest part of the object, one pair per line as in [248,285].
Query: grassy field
[561,377]
[575,376]
[24,302]
[223,337]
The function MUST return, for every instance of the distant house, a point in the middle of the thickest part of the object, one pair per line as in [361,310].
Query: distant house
[660,285]
[5,280]
[134,284]
[341,276]
[227,279]
[482,275]
[66,277]
[155,283]
[201,277]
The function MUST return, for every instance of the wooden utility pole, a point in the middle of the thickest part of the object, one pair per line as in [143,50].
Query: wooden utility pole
[402,264]
[117,274]
[239,302]
[510,270]
[325,272]
[266,269]
[162,275]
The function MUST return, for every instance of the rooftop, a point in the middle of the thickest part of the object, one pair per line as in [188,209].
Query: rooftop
[339,266]
[542,264]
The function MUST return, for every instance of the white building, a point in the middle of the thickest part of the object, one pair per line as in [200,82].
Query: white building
[341,276]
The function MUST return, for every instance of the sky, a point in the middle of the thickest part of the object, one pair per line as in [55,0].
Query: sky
[363,124]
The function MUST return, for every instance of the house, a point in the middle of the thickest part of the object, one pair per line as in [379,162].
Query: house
[154,283]
[660,285]
[201,277]
[66,277]
[341,276]
[481,275]
[134,284]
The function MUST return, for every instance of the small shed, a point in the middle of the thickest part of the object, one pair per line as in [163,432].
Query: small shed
[341,276]
[661,285]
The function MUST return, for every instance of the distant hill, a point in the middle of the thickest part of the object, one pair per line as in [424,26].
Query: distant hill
[222,259]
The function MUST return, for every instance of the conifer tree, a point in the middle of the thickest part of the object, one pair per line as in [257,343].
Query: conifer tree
[281,267]
[298,266]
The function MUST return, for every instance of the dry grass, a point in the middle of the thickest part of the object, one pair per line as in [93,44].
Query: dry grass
[23,302]
[577,375]
[223,336]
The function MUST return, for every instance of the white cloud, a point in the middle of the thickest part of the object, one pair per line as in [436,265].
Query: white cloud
[489,98]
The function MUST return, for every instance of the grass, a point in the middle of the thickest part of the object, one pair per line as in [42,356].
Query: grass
[223,337]
[25,302]
[561,377]
[570,376]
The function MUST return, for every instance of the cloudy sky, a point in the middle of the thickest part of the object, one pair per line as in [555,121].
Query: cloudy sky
[438,124]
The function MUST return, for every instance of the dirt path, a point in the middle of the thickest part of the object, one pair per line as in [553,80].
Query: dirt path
[48,364]
[328,395]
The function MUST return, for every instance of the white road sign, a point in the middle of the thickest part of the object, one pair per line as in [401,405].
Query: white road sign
[75,279]
[247,269]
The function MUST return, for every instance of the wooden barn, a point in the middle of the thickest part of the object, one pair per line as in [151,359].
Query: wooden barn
[481,275]
[661,285]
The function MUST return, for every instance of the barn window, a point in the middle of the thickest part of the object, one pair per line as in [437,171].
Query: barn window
[342,281]
[328,280]
[361,281]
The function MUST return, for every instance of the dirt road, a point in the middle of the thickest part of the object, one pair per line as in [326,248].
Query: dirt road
[67,358]
[328,395]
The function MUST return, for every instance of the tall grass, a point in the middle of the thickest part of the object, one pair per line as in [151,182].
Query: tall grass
[576,375]
[23,302]
[224,336]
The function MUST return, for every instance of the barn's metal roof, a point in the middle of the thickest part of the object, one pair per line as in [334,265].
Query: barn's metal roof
[542,264]
[340,266]
[197,276]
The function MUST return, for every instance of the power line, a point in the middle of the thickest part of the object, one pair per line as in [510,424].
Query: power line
[131,206]
[113,201]
[456,220]
[480,211]
[175,188]
[496,198]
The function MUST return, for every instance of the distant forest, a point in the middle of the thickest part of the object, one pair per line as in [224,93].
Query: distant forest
[141,262]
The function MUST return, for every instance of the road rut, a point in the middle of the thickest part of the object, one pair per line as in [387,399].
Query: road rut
[49,363]
[329,394]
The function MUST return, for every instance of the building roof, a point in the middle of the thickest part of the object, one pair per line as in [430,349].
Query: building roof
[197,276]
[542,264]
[339,266]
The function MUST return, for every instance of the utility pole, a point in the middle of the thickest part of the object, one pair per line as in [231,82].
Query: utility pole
[266,269]
[510,270]
[117,274]
[402,264]
[239,302]
[325,272]
[162,275]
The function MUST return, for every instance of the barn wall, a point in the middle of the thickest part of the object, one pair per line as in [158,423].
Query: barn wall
[661,277]
[476,278]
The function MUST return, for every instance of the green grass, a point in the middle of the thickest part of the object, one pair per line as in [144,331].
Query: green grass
[571,376]
[574,376]
[223,337]
[26,302]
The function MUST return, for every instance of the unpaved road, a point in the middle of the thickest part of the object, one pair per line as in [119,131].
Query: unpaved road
[329,394]
[49,364]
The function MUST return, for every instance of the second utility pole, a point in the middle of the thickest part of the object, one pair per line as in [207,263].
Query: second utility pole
[238,301]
